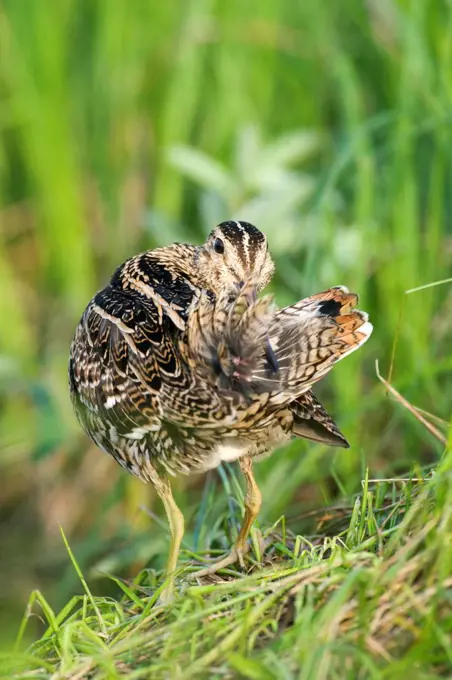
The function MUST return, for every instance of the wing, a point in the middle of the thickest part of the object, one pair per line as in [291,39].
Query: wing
[125,348]
[118,358]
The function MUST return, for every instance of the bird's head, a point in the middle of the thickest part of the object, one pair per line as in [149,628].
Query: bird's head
[235,253]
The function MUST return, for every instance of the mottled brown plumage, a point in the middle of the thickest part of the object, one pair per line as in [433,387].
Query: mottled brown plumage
[177,365]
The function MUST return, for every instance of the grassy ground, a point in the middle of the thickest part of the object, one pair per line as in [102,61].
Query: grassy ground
[126,125]
[366,595]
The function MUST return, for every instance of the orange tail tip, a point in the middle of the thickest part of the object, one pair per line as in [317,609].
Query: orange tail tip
[333,302]
[355,330]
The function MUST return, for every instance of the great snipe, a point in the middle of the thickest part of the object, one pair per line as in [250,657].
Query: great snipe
[177,366]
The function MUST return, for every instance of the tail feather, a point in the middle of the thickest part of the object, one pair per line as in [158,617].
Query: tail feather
[308,338]
[311,421]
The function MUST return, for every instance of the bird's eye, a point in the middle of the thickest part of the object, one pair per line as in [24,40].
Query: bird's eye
[218,246]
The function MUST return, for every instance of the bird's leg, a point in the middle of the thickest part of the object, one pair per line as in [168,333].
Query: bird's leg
[253,500]
[176,525]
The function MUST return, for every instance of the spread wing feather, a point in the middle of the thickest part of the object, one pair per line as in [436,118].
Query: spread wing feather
[308,338]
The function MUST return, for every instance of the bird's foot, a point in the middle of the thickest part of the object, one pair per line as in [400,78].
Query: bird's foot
[236,554]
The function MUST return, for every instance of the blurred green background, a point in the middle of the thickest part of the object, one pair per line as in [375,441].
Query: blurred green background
[127,125]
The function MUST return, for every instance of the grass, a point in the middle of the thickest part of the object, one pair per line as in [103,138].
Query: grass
[124,126]
[366,595]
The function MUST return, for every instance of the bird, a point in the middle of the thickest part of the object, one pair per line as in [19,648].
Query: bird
[179,364]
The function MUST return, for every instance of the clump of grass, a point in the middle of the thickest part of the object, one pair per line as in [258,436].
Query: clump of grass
[368,591]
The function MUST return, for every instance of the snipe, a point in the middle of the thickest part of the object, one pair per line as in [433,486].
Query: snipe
[177,365]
